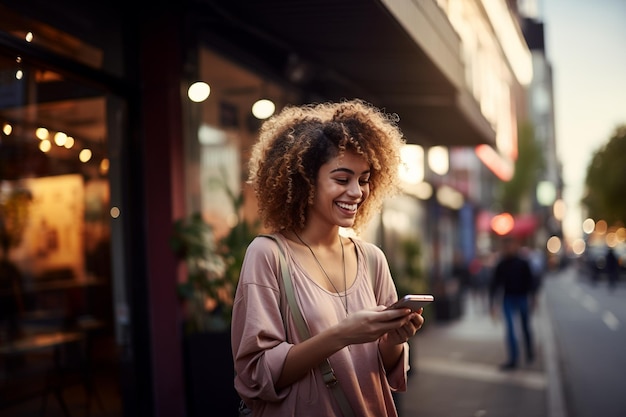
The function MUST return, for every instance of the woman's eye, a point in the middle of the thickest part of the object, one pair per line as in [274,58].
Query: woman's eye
[344,181]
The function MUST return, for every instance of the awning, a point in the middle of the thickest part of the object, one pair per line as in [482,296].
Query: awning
[355,48]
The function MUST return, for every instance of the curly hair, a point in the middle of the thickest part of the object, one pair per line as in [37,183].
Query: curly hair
[296,142]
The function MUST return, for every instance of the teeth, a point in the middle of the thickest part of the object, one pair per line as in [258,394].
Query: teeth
[350,207]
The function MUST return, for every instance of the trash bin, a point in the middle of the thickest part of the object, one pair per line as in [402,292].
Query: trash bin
[448,300]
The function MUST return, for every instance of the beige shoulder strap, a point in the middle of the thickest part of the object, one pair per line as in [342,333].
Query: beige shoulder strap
[289,291]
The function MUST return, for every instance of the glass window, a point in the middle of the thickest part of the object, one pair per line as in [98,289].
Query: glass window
[223,128]
[57,339]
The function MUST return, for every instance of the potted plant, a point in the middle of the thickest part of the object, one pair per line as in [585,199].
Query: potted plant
[212,265]
[207,291]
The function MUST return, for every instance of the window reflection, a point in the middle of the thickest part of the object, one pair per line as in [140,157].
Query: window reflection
[56,336]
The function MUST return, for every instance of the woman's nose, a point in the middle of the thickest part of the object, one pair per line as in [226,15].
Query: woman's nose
[355,189]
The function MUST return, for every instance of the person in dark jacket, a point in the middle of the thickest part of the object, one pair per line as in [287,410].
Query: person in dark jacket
[513,279]
[612,268]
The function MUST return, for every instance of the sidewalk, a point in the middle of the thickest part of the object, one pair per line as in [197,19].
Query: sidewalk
[455,370]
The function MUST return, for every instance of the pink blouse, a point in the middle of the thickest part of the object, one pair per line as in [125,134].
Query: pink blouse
[260,344]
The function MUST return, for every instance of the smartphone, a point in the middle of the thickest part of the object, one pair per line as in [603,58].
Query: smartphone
[413,301]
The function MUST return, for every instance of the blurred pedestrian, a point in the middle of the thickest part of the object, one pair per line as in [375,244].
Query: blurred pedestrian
[316,169]
[513,280]
[612,268]
[480,275]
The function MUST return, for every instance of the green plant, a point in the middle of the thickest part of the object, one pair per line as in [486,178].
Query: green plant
[205,292]
[409,276]
[212,266]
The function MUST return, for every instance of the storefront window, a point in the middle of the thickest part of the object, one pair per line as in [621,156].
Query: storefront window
[223,129]
[57,341]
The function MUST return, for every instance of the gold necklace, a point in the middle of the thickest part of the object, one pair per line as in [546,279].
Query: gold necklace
[343,261]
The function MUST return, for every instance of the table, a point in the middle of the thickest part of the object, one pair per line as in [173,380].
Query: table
[35,343]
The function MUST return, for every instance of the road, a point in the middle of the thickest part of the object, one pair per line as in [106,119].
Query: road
[589,324]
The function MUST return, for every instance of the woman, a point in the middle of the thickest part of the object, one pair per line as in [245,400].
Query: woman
[316,169]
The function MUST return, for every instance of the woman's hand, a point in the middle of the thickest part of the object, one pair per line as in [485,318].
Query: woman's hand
[390,327]
[407,331]
[365,326]
[391,344]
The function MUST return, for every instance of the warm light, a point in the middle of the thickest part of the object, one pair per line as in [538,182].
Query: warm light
[208,135]
[84,155]
[511,40]
[115,212]
[449,197]
[611,239]
[423,190]
[29,37]
[60,138]
[621,234]
[546,193]
[578,247]
[7,129]
[396,220]
[558,210]
[45,145]
[104,166]
[19,74]
[601,227]
[69,142]
[263,109]
[502,223]
[554,244]
[588,225]
[502,168]
[42,133]
[198,91]
[411,170]
[438,160]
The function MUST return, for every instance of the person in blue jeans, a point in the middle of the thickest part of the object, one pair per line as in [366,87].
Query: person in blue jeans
[514,281]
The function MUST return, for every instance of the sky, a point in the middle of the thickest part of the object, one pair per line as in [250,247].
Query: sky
[586,46]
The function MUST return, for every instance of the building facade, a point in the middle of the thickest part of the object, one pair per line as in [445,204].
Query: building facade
[102,150]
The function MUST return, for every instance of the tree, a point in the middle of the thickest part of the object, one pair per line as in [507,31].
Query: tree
[527,169]
[605,184]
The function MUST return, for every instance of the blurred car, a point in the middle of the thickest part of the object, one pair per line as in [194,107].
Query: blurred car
[595,259]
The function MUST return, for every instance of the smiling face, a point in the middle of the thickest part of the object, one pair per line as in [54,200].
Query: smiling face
[342,185]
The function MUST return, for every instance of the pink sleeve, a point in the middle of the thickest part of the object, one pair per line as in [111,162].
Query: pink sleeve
[257,332]
[397,377]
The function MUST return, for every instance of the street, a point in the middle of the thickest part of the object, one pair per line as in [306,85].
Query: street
[580,330]
[456,370]
[589,324]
